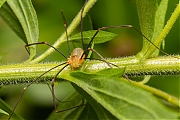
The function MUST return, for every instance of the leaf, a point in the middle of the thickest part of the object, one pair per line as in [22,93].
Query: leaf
[146,12]
[115,72]
[151,18]
[2,2]
[26,15]
[102,113]
[121,99]
[10,18]
[101,37]
[88,113]
[76,113]
[5,107]
[160,19]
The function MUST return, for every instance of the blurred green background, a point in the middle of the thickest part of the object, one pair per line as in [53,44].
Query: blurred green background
[37,101]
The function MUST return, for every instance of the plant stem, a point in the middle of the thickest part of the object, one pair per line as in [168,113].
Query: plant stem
[13,74]
[25,73]
[158,93]
[165,31]
[70,29]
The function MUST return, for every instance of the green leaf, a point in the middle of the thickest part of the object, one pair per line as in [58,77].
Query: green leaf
[120,98]
[9,17]
[101,37]
[112,72]
[159,21]
[26,15]
[151,18]
[5,107]
[76,113]
[160,18]
[2,2]
[102,113]
[146,12]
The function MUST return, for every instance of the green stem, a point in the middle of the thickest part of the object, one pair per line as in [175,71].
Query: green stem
[13,74]
[25,73]
[70,29]
[146,79]
[158,93]
[165,31]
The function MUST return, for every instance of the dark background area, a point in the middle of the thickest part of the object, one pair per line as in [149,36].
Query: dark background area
[104,13]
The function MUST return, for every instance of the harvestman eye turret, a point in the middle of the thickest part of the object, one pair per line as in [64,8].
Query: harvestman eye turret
[76,58]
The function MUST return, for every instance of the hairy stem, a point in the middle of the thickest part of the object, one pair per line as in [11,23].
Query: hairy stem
[25,73]
[158,93]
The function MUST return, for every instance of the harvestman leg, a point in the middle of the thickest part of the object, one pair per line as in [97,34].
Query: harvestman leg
[24,89]
[90,49]
[46,43]
[52,84]
[53,95]
[126,26]
[102,59]
[103,28]
[93,50]
[120,26]
[54,78]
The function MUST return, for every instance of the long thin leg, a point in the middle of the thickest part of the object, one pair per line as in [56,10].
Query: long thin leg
[104,28]
[71,108]
[82,104]
[88,49]
[45,44]
[24,89]
[55,96]
[52,84]
[81,27]
[65,27]
[125,26]
[103,61]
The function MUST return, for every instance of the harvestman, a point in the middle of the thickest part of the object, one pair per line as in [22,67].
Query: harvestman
[76,58]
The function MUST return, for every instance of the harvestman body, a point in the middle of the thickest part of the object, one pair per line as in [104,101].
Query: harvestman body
[76,58]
